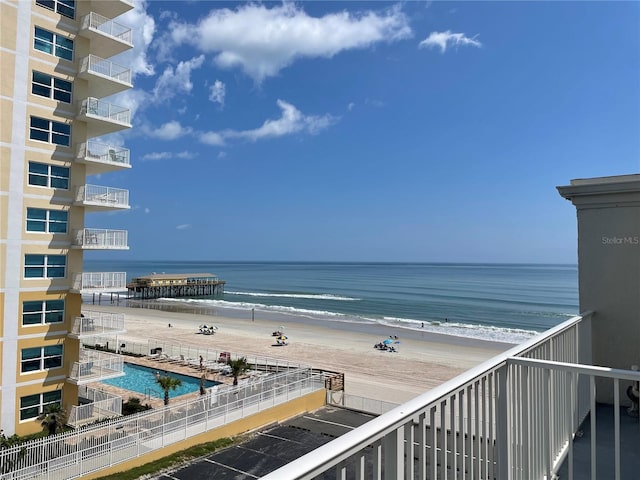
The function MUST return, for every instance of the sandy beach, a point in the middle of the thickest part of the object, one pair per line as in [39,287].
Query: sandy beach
[423,361]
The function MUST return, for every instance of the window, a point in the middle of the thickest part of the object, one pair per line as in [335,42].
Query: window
[42,312]
[46,221]
[45,175]
[41,358]
[50,131]
[51,87]
[63,7]
[32,405]
[53,44]
[44,266]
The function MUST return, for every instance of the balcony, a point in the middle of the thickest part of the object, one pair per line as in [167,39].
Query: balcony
[99,282]
[104,77]
[97,323]
[103,117]
[100,239]
[94,366]
[112,8]
[95,198]
[102,158]
[107,37]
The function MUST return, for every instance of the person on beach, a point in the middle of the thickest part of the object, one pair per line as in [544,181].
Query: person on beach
[201,363]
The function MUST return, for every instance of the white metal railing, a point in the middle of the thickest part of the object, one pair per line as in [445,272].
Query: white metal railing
[96,108]
[95,447]
[96,238]
[356,402]
[101,405]
[107,26]
[103,153]
[102,196]
[88,282]
[97,323]
[94,366]
[460,426]
[106,68]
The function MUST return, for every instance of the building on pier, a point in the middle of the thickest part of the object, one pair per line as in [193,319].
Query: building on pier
[172,285]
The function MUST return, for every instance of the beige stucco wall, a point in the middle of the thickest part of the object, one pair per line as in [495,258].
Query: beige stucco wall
[608,215]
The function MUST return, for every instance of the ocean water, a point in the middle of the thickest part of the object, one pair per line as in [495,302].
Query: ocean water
[498,302]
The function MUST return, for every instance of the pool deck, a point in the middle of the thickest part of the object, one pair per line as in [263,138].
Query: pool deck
[163,367]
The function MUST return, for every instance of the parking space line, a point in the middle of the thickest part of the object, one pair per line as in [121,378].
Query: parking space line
[330,423]
[229,467]
[279,438]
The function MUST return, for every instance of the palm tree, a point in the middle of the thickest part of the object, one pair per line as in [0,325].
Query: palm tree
[168,383]
[238,367]
[53,417]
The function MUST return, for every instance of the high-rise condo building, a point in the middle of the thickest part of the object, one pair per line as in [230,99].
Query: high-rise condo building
[56,80]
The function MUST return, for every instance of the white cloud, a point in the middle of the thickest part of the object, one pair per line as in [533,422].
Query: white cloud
[172,82]
[184,226]
[167,131]
[350,106]
[147,210]
[262,41]
[222,154]
[143,28]
[445,39]
[156,156]
[291,121]
[212,138]
[185,155]
[217,92]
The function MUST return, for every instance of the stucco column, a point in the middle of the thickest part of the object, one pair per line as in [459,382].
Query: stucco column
[608,211]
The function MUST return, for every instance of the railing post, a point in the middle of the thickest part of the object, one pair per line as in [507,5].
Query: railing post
[503,441]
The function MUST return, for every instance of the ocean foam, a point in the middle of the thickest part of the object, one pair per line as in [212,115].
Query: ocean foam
[458,329]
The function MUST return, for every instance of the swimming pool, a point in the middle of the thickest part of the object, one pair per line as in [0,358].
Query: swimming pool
[143,380]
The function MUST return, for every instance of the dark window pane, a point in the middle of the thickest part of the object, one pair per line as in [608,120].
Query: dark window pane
[59,171]
[41,90]
[36,214]
[32,306]
[52,350]
[32,319]
[36,226]
[50,397]
[39,135]
[27,413]
[62,96]
[29,353]
[53,317]
[33,272]
[41,123]
[30,366]
[54,362]
[39,77]
[58,215]
[30,401]
[60,183]
[61,128]
[55,272]
[56,260]
[60,139]
[38,168]
[55,305]
[34,259]
[38,180]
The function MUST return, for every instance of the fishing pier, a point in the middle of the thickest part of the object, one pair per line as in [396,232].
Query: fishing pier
[173,285]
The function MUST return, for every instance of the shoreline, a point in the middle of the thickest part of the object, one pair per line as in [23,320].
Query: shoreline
[424,360]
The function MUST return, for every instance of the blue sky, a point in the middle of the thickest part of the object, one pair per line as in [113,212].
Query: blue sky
[371,131]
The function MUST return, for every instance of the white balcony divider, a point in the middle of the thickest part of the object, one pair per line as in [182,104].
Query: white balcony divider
[104,153]
[107,26]
[95,447]
[88,282]
[97,323]
[94,366]
[93,107]
[101,239]
[106,68]
[461,426]
[356,402]
[102,196]
[102,405]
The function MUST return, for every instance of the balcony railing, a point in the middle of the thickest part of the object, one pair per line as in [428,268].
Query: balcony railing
[494,421]
[112,8]
[103,405]
[96,197]
[100,239]
[94,366]
[107,37]
[99,282]
[97,323]
[102,158]
[104,77]
[103,117]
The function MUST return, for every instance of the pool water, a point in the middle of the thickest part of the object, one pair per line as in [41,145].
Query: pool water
[143,379]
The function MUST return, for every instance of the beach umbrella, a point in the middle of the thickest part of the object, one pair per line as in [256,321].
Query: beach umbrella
[387,341]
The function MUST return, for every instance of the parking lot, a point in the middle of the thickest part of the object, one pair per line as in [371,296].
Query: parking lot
[272,447]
